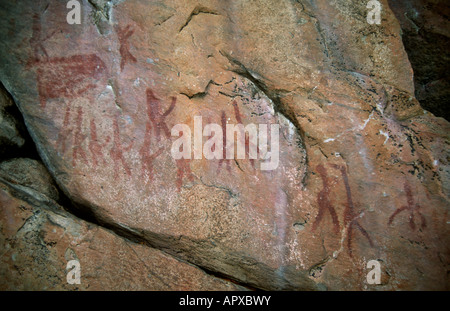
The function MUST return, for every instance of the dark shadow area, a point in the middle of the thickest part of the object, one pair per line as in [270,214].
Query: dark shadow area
[8,150]
[426,37]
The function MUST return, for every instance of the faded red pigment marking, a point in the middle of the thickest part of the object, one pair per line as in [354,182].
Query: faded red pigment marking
[208,121]
[78,139]
[65,131]
[117,150]
[156,117]
[223,120]
[324,201]
[350,217]
[67,77]
[36,39]
[237,113]
[124,34]
[146,157]
[411,207]
[183,170]
[94,145]
[238,117]
[61,77]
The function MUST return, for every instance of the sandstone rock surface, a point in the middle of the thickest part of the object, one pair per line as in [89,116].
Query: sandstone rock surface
[38,241]
[363,170]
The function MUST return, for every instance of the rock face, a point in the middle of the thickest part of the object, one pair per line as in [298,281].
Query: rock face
[362,172]
[30,174]
[11,138]
[38,241]
[426,35]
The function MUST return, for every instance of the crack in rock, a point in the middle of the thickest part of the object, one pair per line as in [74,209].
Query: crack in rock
[196,11]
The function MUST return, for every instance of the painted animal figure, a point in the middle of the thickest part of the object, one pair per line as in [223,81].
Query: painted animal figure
[62,77]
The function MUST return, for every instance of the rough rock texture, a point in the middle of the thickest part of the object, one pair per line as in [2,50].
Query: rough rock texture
[11,137]
[363,171]
[426,35]
[39,239]
[31,175]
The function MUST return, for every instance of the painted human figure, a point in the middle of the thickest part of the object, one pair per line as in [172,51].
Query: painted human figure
[350,216]
[147,157]
[117,151]
[183,171]
[156,116]
[412,207]
[123,35]
[323,200]
[95,147]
